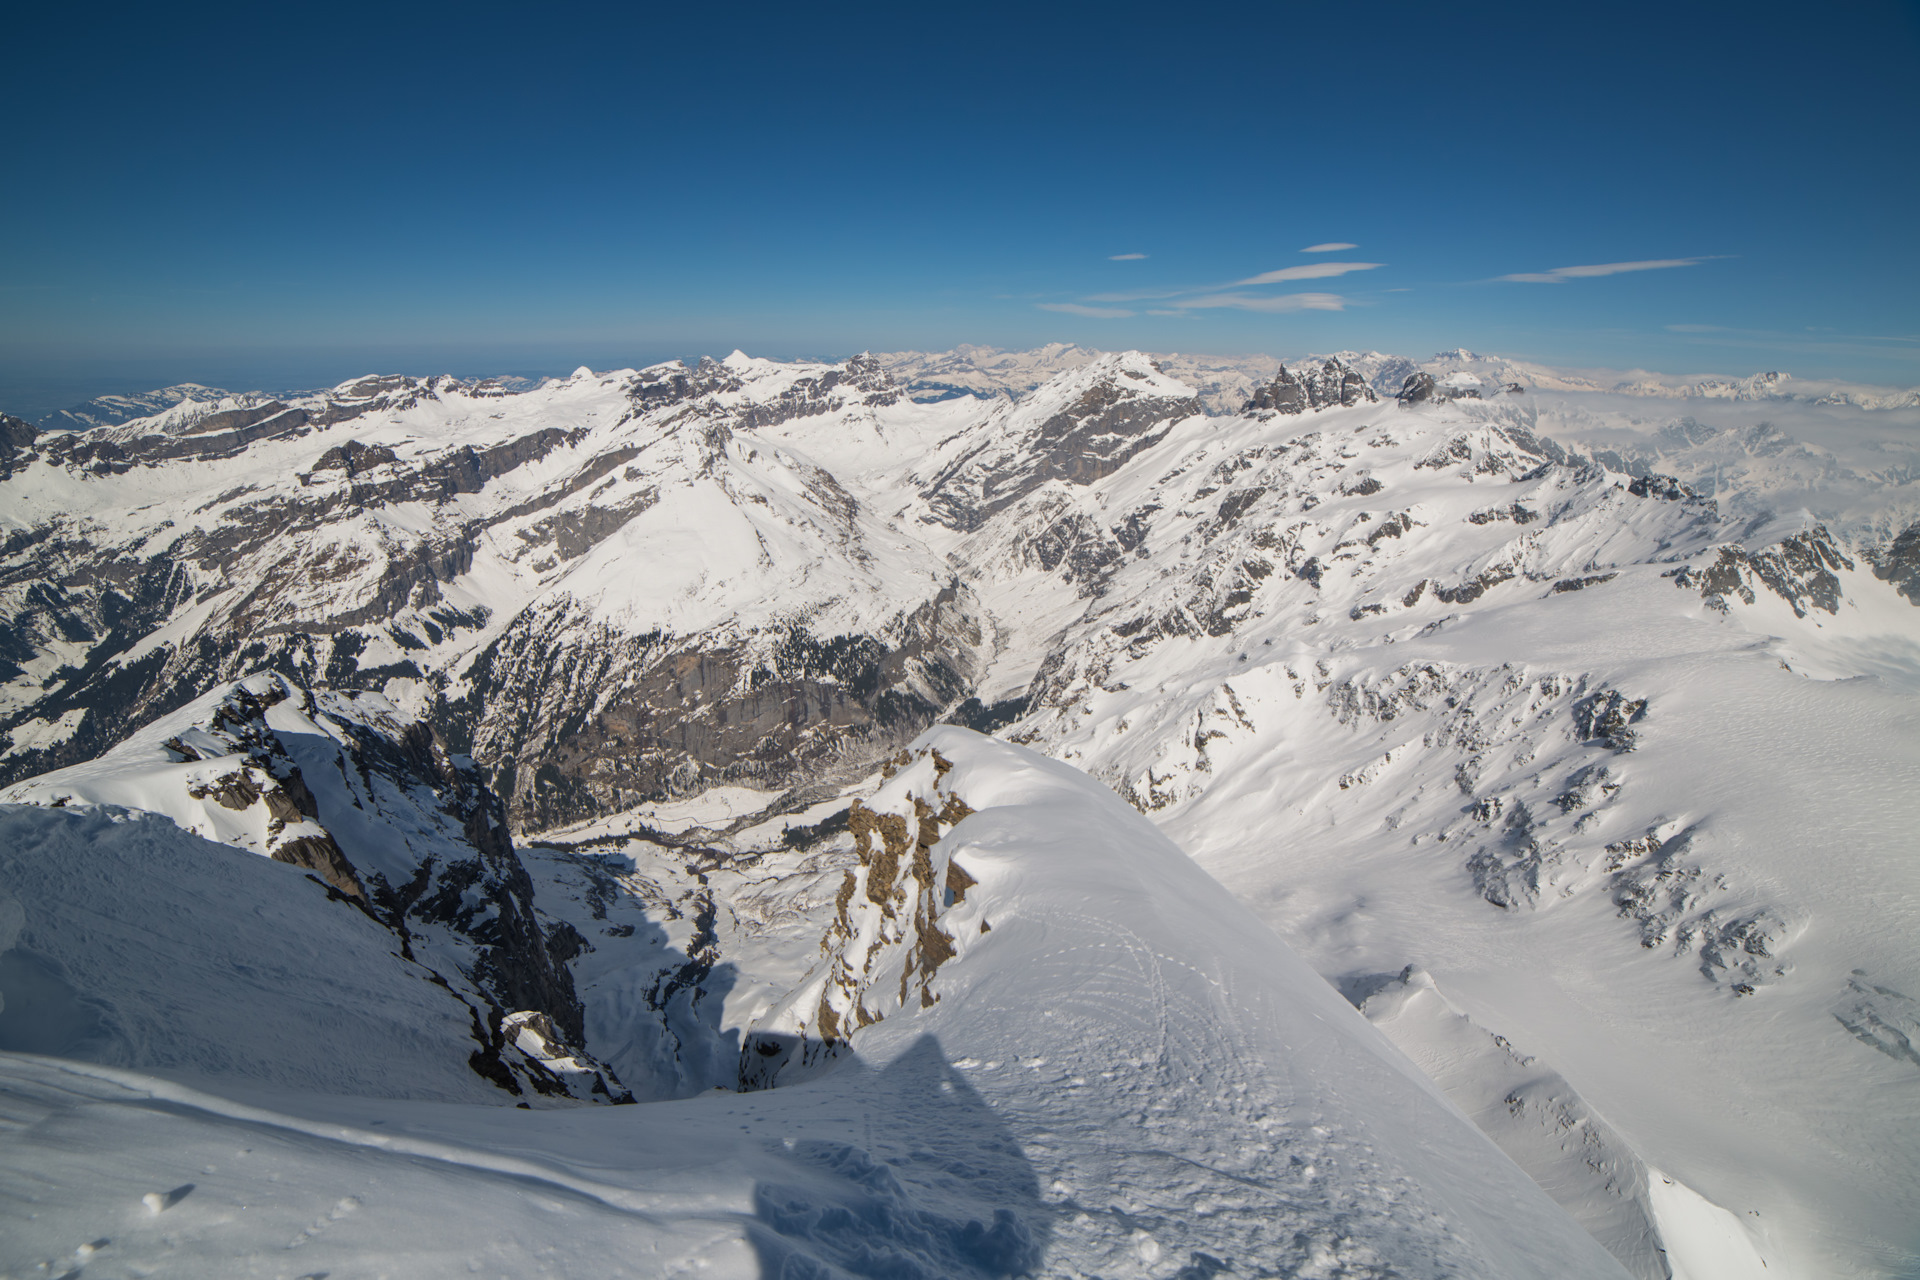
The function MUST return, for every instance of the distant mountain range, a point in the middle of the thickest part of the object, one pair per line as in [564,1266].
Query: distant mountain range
[1223,382]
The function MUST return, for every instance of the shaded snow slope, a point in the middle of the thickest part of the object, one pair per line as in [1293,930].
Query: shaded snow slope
[129,943]
[368,800]
[1127,1075]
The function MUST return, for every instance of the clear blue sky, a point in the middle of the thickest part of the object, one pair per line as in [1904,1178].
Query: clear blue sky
[284,195]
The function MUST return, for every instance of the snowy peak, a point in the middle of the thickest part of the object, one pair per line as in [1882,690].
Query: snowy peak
[112,410]
[217,770]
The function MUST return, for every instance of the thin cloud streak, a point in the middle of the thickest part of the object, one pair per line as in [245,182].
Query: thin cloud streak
[1143,295]
[1333,246]
[1311,271]
[1560,275]
[1257,302]
[1125,257]
[1075,309]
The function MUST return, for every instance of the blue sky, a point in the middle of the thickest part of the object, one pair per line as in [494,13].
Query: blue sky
[281,196]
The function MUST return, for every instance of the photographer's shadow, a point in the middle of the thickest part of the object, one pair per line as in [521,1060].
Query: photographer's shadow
[938,1186]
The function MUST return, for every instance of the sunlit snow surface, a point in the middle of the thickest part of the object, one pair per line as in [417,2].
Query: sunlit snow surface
[1343,760]
[1128,1075]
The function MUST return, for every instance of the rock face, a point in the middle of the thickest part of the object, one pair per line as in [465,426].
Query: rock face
[1078,429]
[887,940]
[575,729]
[16,438]
[1334,383]
[1900,563]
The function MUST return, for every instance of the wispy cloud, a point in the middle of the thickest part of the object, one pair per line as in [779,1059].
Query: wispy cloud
[1697,328]
[1145,295]
[1311,271]
[1560,275]
[1125,257]
[1075,309]
[1261,302]
[1332,246]
[1308,271]
[1208,297]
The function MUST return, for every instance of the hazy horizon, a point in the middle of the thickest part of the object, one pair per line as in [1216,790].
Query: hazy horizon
[308,194]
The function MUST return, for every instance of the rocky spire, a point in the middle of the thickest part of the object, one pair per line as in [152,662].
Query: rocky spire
[1333,383]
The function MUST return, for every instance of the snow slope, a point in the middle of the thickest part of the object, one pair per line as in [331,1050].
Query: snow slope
[1127,1075]
[129,943]
[1650,828]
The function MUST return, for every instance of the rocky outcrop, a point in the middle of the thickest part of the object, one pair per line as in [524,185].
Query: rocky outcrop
[1899,563]
[1333,384]
[887,939]
[16,443]
[1799,570]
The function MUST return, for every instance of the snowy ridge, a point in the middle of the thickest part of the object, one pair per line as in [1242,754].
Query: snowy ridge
[1127,1075]
[112,410]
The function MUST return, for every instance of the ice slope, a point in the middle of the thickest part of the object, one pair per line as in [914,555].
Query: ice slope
[1127,1075]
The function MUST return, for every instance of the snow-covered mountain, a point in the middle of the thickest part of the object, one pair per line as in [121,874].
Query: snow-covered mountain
[1222,383]
[112,410]
[1567,730]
